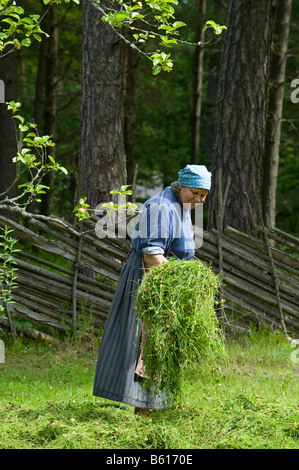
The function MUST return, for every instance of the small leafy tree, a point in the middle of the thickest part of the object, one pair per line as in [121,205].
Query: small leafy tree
[8,274]
[34,158]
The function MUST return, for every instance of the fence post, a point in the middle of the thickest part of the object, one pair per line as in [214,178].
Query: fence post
[75,280]
[220,216]
[275,279]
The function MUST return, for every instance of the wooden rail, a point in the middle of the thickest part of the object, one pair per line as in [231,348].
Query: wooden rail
[56,288]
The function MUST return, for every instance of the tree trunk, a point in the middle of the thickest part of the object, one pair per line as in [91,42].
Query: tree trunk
[102,165]
[8,138]
[197,93]
[130,84]
[240,123]
[39,99]
[215,54]
[275,107]
[50,108]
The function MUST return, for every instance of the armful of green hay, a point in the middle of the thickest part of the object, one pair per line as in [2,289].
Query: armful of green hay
[176,302]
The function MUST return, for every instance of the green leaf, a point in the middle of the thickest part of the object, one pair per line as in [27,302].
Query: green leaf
[178,24]
[126,186]
[64,170]
[26,42]
[115,191]
[20,118]
[14,106]
[9,21]
[122,16]
[156,69]
[40,189]
[156,61]
[216,27]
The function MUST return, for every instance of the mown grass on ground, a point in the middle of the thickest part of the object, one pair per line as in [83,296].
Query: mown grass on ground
[46,401]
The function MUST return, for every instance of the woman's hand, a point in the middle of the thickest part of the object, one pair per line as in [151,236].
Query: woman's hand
[152,260]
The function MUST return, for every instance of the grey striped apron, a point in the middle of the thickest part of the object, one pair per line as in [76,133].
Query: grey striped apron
[115,376]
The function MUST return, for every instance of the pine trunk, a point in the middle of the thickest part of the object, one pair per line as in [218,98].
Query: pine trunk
[102,163]
[130,85]
[8,142]
[241,115]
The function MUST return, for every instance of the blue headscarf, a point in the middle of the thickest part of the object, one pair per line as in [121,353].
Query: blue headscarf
[194,176]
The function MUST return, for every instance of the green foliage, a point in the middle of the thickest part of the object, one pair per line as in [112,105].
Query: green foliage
[161,61]
[217,29]
[17,30]
[175,301]
[8,270]
[162,124]
[145,19]
[33,157]
[82,208]
[58,2]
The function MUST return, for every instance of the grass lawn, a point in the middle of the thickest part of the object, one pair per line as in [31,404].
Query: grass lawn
[46,401]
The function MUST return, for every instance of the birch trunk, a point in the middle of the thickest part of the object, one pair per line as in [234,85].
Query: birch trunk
[198,76]
[50,112]
[275,109]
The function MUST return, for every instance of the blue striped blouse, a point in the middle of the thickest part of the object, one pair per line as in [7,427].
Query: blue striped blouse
[164,227]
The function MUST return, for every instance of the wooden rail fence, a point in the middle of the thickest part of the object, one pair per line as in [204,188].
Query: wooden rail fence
[54,291]
[251,290]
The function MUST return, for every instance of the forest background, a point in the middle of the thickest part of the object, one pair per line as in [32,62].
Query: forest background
[159,115]
[107,110]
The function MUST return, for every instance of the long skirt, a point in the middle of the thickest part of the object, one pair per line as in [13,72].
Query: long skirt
[115,376]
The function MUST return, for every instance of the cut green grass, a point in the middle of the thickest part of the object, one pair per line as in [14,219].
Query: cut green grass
[47,402]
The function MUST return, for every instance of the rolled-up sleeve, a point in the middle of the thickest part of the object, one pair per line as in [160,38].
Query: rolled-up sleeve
[153,250]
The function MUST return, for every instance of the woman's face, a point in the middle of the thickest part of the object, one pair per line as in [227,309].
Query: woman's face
[193,195]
